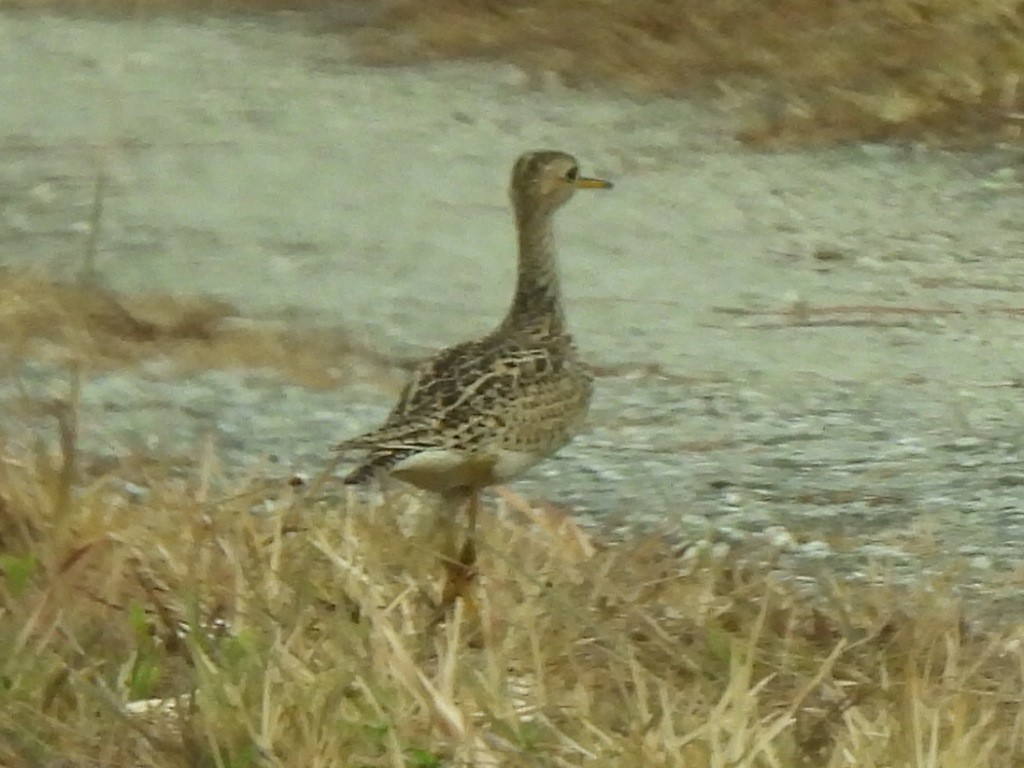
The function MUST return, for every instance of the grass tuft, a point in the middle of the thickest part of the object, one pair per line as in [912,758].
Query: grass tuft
[67,323]
[177,628]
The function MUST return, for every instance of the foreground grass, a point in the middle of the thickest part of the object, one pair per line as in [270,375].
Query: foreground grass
[163,624]
[799,72]
[149,618]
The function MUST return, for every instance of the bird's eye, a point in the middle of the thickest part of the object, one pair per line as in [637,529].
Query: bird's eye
[572,174]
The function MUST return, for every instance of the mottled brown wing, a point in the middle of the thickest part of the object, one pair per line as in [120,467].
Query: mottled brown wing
[476,389]
[435,376]
[411,420]
[520,393]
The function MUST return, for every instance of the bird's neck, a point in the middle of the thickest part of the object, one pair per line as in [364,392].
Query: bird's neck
[538,296]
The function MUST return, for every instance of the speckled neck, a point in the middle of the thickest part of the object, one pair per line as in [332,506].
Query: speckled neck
[538,296]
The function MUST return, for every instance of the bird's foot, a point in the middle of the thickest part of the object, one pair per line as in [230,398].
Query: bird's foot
[459,577]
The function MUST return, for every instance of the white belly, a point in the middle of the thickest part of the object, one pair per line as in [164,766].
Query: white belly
[449,468]
[510,464]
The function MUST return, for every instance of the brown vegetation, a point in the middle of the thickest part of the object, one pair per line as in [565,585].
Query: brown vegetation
[161,622]
[175,628]
[804,71]
[83,322]
[800,72]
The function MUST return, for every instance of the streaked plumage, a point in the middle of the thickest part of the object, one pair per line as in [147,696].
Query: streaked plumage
[499,404]
[484,411]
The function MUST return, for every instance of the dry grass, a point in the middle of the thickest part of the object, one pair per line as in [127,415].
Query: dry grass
[801,72]
[162,623]
[48,320]
[144,8]
[177,629]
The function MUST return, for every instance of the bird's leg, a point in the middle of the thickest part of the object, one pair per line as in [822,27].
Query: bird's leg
[467,555]
[450,510]
[461,570]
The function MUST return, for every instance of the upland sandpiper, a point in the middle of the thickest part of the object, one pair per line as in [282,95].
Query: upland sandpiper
[484,411]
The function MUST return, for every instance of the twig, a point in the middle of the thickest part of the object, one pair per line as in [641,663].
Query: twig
[88,274]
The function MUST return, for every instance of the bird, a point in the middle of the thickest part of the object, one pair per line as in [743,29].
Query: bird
[484,411]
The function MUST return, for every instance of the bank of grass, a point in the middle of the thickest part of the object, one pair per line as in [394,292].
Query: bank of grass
[164,624]
[51,320]
[799,72]
[151,616]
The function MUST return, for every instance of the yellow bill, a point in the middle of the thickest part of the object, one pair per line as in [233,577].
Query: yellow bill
[585,182]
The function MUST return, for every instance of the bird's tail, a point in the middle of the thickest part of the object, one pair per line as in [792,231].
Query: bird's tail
[377,464]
